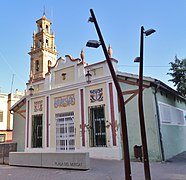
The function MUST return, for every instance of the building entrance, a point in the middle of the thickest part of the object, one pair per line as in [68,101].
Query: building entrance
[97,126]
[37,131]
[65,135]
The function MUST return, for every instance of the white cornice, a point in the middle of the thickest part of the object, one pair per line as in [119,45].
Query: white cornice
[73,86]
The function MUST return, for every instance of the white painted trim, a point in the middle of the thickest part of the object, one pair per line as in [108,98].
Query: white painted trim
[109,115]
[71,87]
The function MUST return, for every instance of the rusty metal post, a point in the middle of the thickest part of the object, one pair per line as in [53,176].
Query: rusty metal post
[141,111]
[121,102]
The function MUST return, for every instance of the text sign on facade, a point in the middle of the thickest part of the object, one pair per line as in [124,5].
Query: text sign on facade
[38,106]
[64,101]
[96,95]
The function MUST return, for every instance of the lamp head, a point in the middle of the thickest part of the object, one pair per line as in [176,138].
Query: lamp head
[137,59]
[149,32]
[93,43]
[90,20]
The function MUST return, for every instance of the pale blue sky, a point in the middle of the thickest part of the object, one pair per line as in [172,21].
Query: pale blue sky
[119,20]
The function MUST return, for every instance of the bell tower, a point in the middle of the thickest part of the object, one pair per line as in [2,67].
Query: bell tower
[43,50]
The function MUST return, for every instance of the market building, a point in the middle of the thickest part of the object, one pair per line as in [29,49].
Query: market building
[67,111]
[73,106]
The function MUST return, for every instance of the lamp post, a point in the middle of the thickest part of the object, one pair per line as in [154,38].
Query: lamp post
[31,91]
[95,44]
[140,103]
[88,76]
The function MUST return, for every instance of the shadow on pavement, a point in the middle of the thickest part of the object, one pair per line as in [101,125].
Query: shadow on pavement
[180,158]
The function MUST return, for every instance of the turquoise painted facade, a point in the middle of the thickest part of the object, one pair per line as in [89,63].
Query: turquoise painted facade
[173,130]
[164,139]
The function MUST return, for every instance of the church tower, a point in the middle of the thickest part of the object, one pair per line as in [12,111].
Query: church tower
[43,50]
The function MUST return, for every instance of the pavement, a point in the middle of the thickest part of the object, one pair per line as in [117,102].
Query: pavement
[173,169]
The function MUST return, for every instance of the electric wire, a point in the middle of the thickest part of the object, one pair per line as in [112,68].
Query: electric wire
[10,67]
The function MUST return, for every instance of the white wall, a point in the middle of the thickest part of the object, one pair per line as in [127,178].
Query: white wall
[3,107]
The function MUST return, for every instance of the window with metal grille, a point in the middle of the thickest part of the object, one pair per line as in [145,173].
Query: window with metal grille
[97,132]
[65,132]
[37,131]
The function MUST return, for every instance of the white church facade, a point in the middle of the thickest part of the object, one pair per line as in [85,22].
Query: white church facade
[71,106]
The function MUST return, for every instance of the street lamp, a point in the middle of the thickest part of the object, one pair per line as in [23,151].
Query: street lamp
[96,44]
[88,76]
[93,43]
[31,91]
[140,103]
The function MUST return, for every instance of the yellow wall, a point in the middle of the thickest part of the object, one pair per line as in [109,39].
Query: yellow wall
[38,87]
[54,110]
[69,77]
[38,107]
[96,72]
[104,102]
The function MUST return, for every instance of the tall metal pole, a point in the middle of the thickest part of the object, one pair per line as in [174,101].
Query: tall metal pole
[121,101]
[141,112]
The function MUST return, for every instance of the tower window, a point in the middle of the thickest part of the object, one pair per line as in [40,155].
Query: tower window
[47,28]
[40,43]
[49,65]
[40,28]
[47,42]
[37,65]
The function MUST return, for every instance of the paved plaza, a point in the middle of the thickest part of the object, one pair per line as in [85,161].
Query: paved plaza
[174,169]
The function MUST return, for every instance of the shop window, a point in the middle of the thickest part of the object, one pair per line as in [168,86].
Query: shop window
[37,129]
[1,116]
[97,128]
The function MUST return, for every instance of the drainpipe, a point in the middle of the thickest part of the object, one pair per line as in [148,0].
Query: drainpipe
[158,118]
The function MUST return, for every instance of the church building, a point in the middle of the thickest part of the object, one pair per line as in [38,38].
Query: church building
[71,106]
